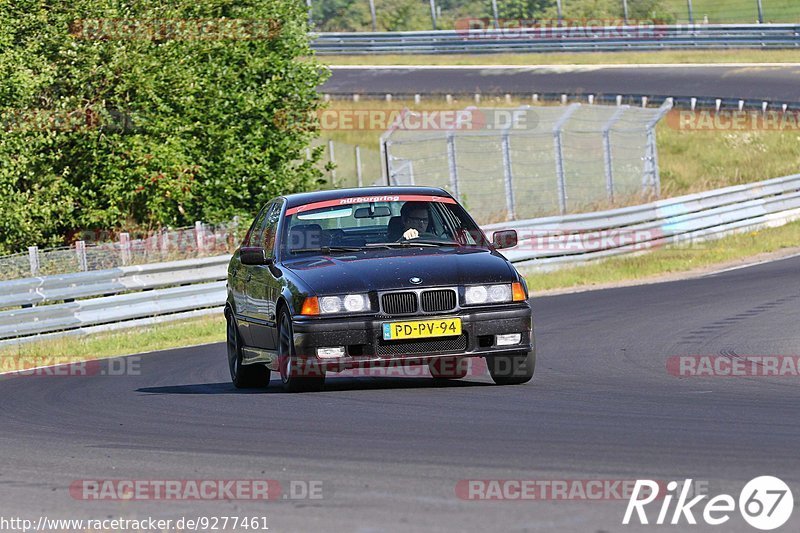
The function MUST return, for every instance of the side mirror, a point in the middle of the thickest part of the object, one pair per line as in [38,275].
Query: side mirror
[254,255]
[504,239]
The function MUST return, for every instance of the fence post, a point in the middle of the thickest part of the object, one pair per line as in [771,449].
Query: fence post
[652,177]
[508,169]
[80,251]
[495,15]
[125,248]
[332,158]
[199,236]
[607,160]
[452,164]
[691,11]
[372,14]
[625,10]
[33,258]
[559,149]
[433,14]
[164,237]
[760,12]
[386,171]
[358,167]
[234,233]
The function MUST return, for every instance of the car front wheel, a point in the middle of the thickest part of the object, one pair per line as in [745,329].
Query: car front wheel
[513,369]
[243,376]
[297,374]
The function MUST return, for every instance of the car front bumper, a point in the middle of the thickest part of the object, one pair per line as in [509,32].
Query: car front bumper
[364,343]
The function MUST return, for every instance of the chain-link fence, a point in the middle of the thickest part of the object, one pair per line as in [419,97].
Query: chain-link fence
[125,249]
[354,165]
[532,161]
[421,15]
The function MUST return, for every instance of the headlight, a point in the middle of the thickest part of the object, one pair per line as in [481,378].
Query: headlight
[487,294]
[348,303]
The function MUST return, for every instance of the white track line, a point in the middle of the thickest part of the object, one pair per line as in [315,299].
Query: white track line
[562,67]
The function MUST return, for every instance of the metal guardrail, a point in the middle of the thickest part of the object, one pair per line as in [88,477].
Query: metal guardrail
[139,295]
[569,39]
[551,242]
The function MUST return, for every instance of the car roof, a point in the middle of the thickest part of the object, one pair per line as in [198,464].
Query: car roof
[303,198]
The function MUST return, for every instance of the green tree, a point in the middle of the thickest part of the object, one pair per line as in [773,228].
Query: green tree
[152,122]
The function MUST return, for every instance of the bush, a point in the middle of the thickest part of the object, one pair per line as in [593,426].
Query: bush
[143,121]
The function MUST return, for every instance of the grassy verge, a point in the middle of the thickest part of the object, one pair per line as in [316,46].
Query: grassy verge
[144,339]
[670,260]
[676,57]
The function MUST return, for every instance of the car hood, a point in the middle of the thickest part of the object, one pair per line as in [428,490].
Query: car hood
[393,269]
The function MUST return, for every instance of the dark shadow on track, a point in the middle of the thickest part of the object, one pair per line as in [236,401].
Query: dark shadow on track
[332,384]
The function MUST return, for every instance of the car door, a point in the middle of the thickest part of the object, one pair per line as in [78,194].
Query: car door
[264,286]
[240,276]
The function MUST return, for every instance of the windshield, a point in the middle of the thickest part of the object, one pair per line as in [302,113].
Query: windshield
[407,220]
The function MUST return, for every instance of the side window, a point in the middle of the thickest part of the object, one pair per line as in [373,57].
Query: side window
[251,239]
[267,237]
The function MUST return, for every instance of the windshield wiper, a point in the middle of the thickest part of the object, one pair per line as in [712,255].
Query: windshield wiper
[328,249]
[410,244]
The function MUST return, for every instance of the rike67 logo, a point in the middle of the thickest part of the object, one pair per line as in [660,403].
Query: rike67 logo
[765,502]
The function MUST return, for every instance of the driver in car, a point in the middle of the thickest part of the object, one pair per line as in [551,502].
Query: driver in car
[415,218]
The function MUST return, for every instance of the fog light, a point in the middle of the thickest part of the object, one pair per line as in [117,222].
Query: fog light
[508,340]
[334,351]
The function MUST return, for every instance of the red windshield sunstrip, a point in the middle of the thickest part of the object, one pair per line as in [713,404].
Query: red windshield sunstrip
[366,199]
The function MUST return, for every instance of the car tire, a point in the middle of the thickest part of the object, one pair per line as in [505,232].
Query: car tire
[295,377]
[512,369]
[242,376]
[448,367]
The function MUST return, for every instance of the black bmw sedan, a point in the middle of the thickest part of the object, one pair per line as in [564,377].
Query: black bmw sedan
[331,281]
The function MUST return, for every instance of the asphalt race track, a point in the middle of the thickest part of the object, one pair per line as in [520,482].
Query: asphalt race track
[772,83]
[390,451]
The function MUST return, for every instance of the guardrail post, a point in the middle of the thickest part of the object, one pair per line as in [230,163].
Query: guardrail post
[125,248]
[452,164]
[33,258]
[607,160]
[80,251]
[359,175]
[559,154]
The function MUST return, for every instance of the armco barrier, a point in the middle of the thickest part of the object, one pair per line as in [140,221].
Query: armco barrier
[568,39]
[135,296]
